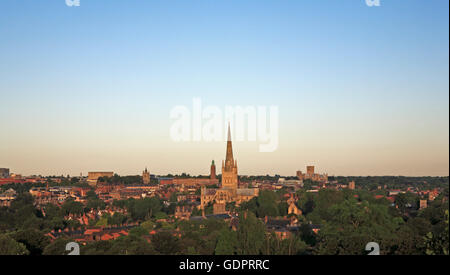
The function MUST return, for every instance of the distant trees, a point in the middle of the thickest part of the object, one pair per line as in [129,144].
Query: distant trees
[117,219]
[250,234]
[116,179]
[34,240]
[438,243]
[251,238]
[57,247]
[348,224]
[20,215]
[125,245]
[148,225]
[227,243]
[251,206]
[9,246]
[293,245]
[165,243]
[406,200]
[322,202]
[139,210]
[267,203]
[393,182]
[138,231]
[69,207]
[144,209]
[131,245]
[93,202]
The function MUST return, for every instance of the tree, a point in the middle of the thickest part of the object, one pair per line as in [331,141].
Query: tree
[290,246]
[438,244]
[56,223]
[138,231]
[148,225]
[103,221]
[352,225]
[145,208]
[267,204]
[95,203]
[251,205]
[165,243]
[406,200]
[251,234]
[117,219]
[98,248]
[33,240]
[72,207]
[227,243]
[9,246]
[283,208]
[131,245]
[57,247]
[160,215]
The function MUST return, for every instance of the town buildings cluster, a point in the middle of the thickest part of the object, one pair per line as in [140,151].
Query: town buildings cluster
[191,196]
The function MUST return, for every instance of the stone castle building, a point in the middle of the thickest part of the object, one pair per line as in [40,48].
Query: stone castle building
[229,190]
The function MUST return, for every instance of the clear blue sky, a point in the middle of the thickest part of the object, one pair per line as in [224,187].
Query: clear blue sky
[361,90]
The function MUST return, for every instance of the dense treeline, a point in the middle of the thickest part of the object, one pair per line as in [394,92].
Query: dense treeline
[392,182]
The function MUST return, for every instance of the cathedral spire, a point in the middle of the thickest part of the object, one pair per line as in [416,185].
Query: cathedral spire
[229,161]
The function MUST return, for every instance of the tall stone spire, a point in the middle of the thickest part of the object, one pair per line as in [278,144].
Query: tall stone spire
[229,161]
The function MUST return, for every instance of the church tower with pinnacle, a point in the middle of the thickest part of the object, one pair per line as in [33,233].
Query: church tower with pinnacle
[146,176]
[229,167]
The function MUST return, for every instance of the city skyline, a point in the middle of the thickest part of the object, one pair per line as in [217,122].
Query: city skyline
[361,90]
[115,171]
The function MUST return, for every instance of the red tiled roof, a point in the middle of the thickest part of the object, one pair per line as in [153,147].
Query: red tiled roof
[91,231]
[106,237]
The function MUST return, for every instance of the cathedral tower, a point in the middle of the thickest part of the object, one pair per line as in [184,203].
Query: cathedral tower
[146,176]
[229,167]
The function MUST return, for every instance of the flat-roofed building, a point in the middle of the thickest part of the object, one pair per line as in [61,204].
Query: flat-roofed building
[94,176]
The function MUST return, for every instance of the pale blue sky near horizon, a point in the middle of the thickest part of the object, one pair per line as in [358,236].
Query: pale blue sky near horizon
[361,90]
